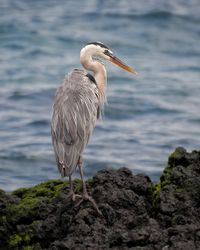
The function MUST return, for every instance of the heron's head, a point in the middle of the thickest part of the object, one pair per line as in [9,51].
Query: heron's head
[99,50]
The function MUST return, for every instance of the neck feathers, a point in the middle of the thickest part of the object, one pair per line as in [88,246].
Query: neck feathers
[97,68]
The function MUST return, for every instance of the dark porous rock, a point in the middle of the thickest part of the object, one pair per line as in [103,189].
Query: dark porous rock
[137,214]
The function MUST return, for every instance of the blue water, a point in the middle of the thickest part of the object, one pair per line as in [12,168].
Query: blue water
[146,116]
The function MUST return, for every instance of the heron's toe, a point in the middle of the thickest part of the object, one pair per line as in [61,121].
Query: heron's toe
[86,197]
[73,196]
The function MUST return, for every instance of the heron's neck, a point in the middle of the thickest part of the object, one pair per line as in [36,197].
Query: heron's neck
[99,73]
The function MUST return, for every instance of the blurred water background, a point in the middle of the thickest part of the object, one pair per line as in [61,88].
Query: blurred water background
[146,116]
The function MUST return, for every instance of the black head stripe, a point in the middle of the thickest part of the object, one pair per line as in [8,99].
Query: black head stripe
[99,44]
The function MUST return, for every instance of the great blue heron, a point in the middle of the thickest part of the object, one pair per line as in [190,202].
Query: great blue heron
[77,105]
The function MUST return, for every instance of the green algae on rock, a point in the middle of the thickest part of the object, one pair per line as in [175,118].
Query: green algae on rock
[30,199]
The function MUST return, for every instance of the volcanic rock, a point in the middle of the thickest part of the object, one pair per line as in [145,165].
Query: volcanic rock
[137,213]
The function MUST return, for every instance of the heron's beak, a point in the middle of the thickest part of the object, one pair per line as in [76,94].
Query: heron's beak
[119,63]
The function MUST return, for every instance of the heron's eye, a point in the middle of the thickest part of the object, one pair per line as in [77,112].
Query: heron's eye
[107,52]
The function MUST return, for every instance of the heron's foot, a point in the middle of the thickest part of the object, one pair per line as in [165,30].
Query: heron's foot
[72,195]
[86,197]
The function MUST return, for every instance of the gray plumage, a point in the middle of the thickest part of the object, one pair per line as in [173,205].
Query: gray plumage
[75,112]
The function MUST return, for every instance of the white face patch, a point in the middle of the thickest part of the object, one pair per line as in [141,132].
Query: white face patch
[97,50]
[94,51]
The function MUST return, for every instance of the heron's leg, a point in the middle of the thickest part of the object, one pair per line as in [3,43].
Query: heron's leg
[80,165]
[85,195]
[71,191]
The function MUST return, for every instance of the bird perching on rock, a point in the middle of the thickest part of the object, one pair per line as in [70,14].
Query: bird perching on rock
[77,105]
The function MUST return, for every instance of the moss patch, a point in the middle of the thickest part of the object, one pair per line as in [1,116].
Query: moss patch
[179,157]
[17,240]
[155,195]
[166,176]
[30,205]
[31,199]
[48,189]
[165,179]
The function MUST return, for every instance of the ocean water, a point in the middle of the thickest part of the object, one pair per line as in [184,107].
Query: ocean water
[146,117]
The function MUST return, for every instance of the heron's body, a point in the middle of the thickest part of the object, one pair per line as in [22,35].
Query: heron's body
[75,110]
[77,105]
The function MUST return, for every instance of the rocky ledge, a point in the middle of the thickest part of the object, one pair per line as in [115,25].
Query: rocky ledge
[137,214]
